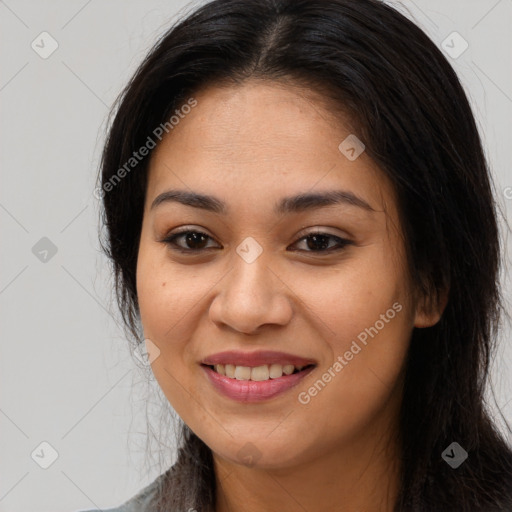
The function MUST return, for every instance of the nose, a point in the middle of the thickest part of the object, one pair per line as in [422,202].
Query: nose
[251,295]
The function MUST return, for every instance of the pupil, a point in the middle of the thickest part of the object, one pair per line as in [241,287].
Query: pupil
[316,239]
[194,239]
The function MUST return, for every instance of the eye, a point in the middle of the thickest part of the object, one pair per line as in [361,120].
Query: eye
[318,241]
[195,241]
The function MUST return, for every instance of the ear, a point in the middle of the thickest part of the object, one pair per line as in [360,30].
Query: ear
[430,309]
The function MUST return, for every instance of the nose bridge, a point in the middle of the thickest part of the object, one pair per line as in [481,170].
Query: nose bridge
[250,276]
[251,294]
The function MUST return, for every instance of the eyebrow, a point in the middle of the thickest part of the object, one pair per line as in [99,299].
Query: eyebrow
[292,204]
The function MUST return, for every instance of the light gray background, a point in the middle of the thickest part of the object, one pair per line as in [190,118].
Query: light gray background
[66,373]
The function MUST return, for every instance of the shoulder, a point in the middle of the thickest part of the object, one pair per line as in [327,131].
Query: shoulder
[139,503]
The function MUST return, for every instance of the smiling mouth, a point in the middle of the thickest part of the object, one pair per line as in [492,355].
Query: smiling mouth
[257,373]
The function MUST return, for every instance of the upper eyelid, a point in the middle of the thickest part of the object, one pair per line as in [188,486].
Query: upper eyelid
[302,232]
[316,231]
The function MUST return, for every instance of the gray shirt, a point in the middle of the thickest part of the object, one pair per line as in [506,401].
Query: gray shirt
[139,503]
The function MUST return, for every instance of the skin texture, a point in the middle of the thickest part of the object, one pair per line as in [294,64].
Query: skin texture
[249,146]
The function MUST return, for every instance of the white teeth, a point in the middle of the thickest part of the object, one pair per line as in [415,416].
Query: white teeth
[256,373]
[230,371]
[276,371]
[242,373]
[288,369]
[260,373]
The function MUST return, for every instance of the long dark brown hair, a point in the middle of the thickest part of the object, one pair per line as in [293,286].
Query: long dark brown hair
[410,109]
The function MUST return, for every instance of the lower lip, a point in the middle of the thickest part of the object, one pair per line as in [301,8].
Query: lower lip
[249,391]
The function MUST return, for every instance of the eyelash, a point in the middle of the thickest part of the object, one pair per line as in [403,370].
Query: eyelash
[170,241]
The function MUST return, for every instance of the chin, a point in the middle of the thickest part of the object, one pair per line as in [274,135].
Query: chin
[260,453]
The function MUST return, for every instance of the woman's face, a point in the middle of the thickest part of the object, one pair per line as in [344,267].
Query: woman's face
[255,278]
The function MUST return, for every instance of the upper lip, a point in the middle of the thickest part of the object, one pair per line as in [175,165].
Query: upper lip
[259,358]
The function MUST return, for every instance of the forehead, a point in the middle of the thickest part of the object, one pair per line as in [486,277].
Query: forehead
[267,117]
[261,139]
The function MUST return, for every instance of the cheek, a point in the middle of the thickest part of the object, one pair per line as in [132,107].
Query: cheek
[166,297]
[169,305]
[357,385]
[353,296]
[366,322]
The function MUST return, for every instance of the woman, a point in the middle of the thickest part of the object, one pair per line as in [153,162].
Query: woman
[302,228]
